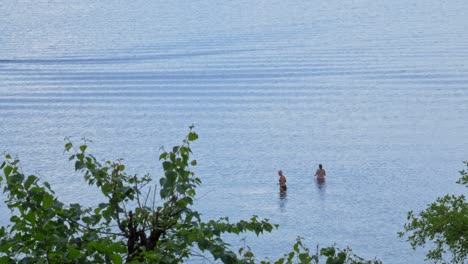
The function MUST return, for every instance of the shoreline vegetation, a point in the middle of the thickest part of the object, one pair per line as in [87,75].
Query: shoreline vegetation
[147,222]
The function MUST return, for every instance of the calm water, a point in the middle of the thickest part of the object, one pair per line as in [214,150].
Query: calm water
[377,91]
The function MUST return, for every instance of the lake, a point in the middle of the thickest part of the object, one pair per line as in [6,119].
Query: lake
[376,91]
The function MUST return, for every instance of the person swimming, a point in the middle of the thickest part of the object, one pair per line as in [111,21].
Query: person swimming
[282,181]
[320,173]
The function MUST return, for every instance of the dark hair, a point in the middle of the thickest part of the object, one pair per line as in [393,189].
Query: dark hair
[320,166]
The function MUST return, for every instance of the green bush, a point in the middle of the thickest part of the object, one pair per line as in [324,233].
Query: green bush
[132,226]
[445,224]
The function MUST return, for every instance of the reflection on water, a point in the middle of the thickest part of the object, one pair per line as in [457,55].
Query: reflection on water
[321,186]
[282,199]
[283,194]
[320,183]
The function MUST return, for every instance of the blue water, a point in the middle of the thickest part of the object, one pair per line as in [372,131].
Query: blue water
[377,91]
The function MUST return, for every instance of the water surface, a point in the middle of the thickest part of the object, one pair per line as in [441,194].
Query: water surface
[377,91]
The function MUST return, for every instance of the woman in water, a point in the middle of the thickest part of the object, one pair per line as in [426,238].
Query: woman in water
[320,173]
[282,181]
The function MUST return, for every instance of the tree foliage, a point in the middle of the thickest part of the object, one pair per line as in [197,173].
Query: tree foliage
[132,225]
[445,224]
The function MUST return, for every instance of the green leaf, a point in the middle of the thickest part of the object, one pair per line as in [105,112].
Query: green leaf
[80,156]
[192,136]
[171,177]
[73,253]
[162,181]
[280,261]
[83,148]
[116,259]
[47,200]
[203,244]
[342,256]
[328,252]
[31,179]
[107,188]
[167,165]
[5,259]
[17,178]
[303,257]
[79,165]
[47,185]
[296,247]
[7,170]
[164,193]
[183,150]
[193,163]
[30,217]
[68,146]
[163,156]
